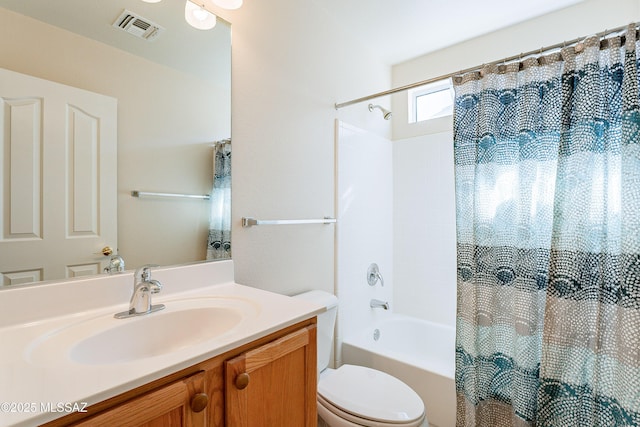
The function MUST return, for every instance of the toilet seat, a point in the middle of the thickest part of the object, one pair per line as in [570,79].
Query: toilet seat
[369,397]
[335,417]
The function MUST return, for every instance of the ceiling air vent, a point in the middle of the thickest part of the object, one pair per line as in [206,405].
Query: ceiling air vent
[137,25]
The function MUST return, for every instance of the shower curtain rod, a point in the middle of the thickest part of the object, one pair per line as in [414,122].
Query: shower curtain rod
[478,67]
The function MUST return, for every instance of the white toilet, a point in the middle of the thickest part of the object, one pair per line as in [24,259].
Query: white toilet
[355,396]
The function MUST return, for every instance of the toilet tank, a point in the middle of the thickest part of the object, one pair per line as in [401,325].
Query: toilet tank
[326,323]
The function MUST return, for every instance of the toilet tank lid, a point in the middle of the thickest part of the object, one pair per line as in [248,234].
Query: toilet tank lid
[322,298]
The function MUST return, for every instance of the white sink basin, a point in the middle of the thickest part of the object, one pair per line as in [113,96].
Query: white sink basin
[154,334]
[104,340]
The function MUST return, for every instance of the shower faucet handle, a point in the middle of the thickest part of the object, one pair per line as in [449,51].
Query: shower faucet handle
[373,275]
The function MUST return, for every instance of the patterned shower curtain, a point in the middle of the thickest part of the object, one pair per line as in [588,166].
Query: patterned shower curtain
[219,241]
[547,161]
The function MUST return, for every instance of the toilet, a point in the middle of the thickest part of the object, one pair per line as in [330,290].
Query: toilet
[355,396]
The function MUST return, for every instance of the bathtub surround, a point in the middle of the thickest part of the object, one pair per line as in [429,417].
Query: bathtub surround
[424,226]
[548,220]
[364,229]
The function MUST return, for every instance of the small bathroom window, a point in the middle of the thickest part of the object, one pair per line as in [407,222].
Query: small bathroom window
[431,101]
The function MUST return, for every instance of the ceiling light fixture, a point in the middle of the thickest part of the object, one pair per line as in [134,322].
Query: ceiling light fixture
[199,17]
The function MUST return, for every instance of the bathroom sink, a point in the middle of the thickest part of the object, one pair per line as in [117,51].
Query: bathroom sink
[104,340]
[154,334]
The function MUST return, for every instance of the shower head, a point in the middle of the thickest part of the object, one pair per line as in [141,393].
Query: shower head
[385,113]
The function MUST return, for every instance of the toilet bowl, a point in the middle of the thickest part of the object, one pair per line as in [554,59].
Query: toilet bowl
[356,396]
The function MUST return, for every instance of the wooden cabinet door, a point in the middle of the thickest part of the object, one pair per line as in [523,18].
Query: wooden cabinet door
[275,384]
[181,403]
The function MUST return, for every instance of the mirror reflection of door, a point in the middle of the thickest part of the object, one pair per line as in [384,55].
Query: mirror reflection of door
[58,181]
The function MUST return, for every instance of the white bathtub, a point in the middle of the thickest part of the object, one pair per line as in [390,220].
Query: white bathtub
[420,353]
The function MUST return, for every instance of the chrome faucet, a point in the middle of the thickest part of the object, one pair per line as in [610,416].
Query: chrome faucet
[376,303]
[143,287]
[115,265]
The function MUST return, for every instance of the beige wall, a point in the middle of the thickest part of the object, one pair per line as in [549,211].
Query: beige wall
[164,144]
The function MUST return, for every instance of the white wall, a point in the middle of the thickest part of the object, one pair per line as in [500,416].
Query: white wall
[424,228]
[162,144]
[291,63]
[365,226]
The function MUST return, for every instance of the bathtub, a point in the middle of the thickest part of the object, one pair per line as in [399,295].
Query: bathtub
[418,352]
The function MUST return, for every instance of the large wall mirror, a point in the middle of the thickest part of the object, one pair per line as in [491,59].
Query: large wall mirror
[172,94]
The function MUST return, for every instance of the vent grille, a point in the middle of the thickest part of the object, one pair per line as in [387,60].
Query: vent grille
[138,26]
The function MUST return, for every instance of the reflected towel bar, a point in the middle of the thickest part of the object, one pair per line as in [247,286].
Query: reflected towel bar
[250,222]
[136,193]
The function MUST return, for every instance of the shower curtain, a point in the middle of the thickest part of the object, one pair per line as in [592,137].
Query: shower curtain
[219,241]
[547,163]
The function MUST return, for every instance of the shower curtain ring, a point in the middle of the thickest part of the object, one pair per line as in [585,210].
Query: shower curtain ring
[502,67]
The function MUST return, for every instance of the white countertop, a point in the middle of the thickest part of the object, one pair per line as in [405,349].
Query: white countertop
[33,387]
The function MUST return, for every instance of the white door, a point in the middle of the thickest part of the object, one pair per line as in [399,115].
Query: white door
[57,179]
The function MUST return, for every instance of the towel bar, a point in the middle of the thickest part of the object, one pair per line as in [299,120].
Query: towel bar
[250,222]
[141,194]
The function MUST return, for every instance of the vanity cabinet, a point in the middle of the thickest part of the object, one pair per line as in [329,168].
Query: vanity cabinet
[268,382]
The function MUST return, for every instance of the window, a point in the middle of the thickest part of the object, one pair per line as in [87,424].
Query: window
[431,101]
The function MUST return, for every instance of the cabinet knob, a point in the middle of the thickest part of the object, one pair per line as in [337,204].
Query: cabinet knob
[242,381]
[199,402]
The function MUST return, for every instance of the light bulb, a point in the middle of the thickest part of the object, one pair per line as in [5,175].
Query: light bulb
[198,17]
[228,4]
[152,1]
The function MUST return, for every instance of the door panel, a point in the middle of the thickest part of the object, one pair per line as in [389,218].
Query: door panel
[22,166]
[275,384]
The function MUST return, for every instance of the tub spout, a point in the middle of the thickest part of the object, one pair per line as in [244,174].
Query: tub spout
[376,303]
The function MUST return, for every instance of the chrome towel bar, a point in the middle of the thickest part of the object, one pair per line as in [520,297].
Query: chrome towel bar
[141,194]
[250,222]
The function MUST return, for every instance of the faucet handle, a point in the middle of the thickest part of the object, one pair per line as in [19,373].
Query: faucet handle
[373,275]
[143,273]
[154,286]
